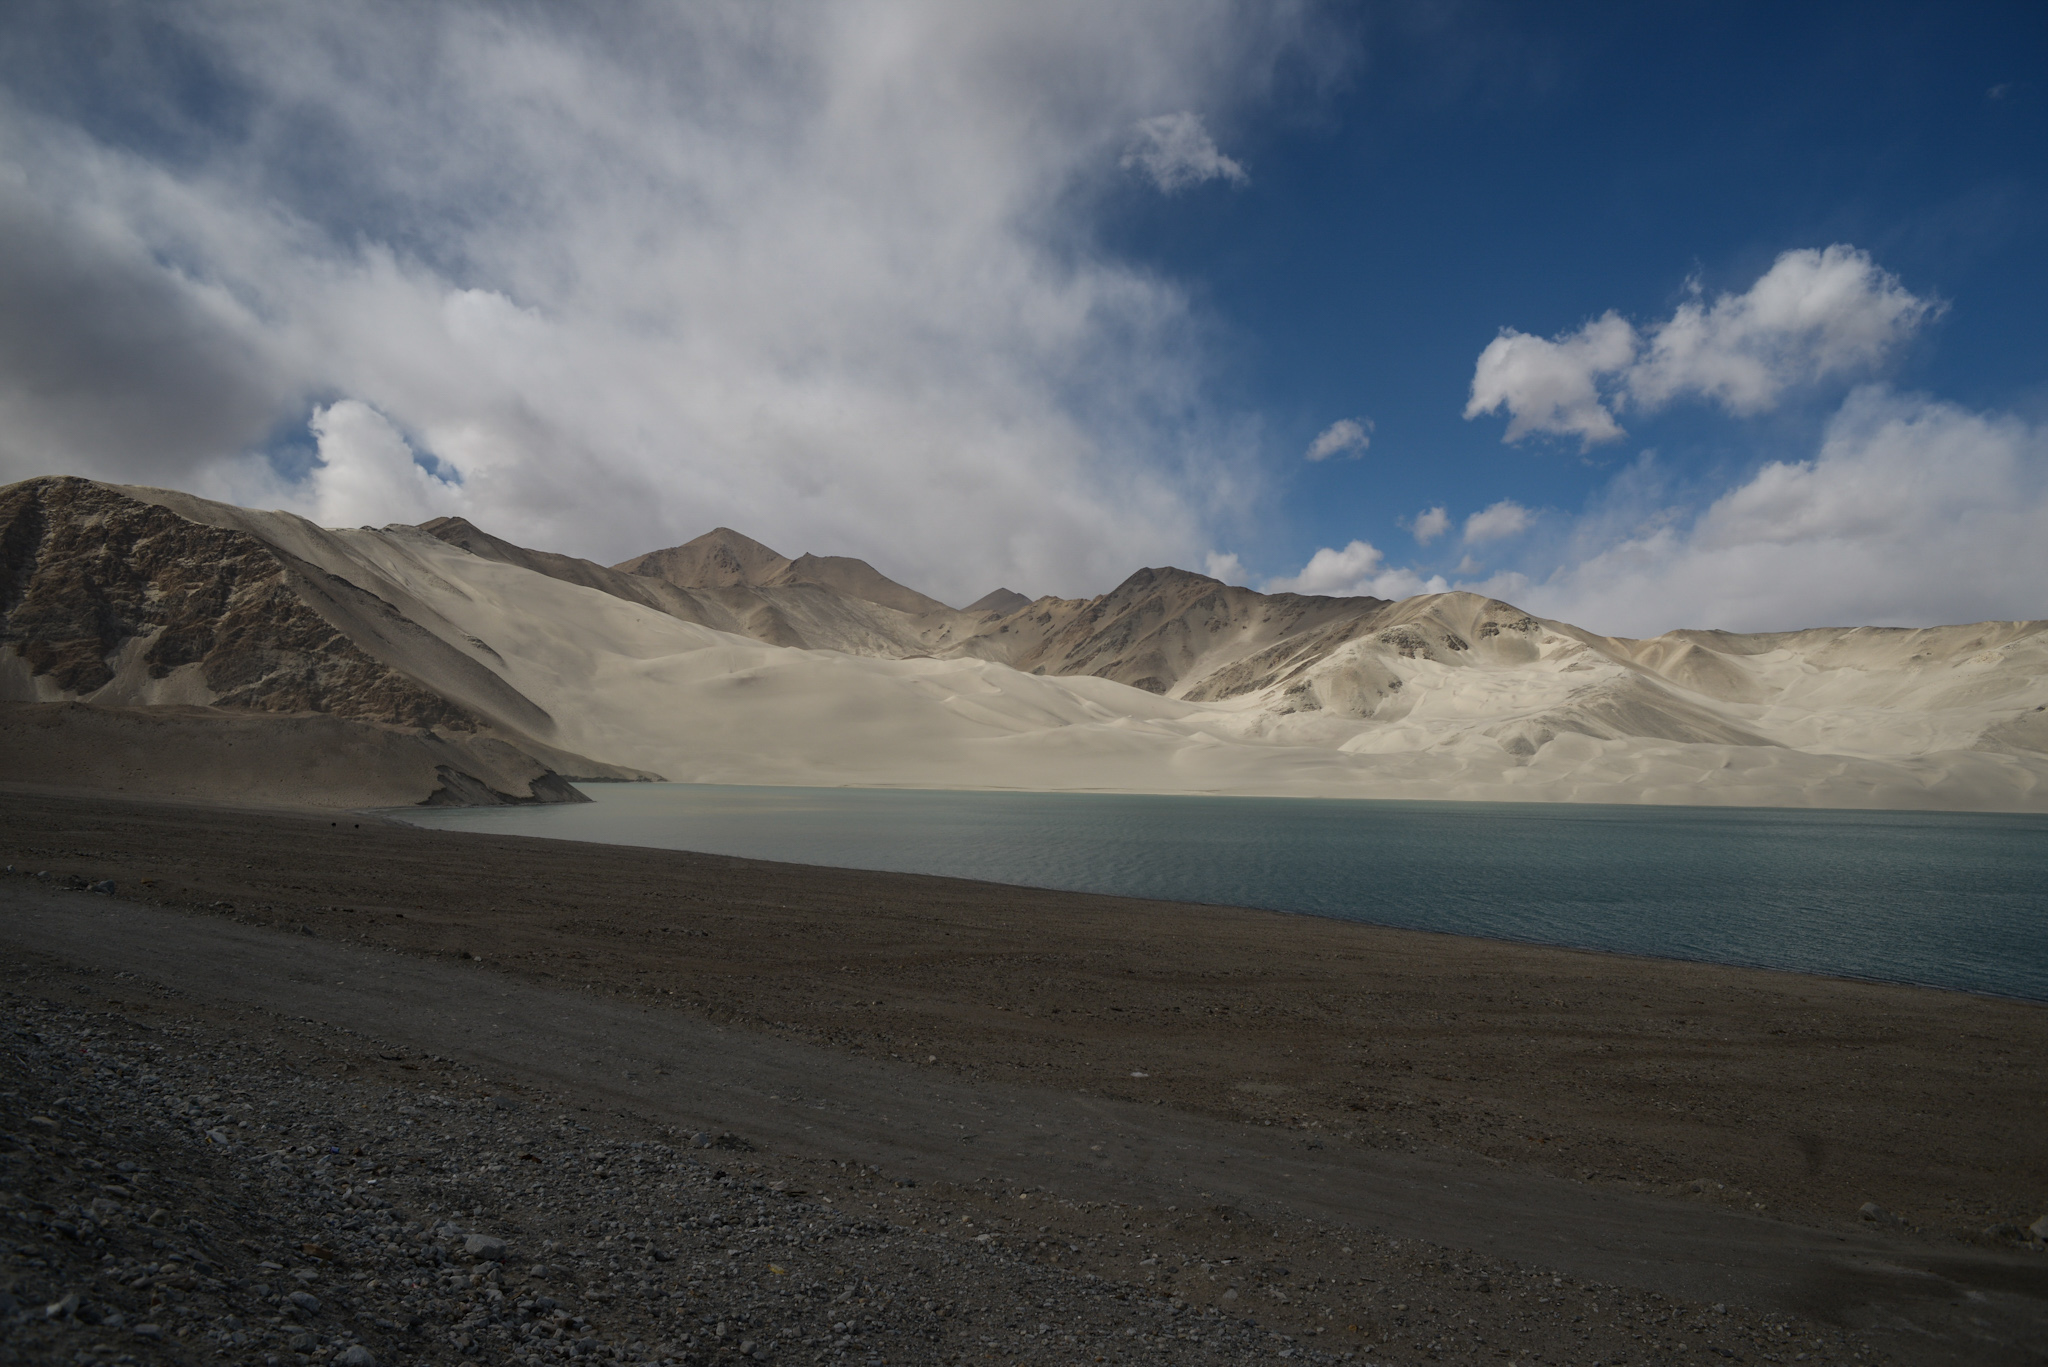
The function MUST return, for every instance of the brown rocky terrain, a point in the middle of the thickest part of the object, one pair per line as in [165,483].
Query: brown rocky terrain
[97,588]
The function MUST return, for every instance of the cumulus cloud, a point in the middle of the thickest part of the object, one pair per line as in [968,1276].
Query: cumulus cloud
[1225,566]
[1554,385]
[1430,524]
[622,275]
[1346,436]
[1912,512]
[368,474]
[1812,315]
[1177,153]
[1358,570]
[1504,519]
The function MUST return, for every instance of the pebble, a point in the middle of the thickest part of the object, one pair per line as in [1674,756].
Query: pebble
[484,1247]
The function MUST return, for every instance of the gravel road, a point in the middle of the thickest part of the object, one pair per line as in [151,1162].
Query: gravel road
[181,1190]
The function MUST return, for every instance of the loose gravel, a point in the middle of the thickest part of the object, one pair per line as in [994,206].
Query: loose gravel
[180,1190]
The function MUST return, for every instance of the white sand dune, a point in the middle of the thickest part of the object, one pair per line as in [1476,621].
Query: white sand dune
[1445,696]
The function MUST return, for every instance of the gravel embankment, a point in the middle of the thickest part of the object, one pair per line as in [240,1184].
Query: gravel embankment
[183,1192]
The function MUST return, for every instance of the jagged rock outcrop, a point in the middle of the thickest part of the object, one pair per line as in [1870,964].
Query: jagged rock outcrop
[122,603]
[107,598]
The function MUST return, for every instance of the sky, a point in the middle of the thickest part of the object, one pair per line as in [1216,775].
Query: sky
[1639,317]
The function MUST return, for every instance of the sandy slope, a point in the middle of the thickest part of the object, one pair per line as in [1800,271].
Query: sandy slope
[1444,696]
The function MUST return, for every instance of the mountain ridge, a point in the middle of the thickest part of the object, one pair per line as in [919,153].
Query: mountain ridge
[1172,681]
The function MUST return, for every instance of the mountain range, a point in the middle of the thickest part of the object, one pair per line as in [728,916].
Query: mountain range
[157,642]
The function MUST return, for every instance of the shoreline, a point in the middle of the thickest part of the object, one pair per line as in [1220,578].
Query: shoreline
[1656,1071]
[1625,955]
[1566,878]
[1560,803]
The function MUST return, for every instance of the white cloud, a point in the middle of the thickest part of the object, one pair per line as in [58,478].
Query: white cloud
[1504,519]
[1223,565]
[809,273]
[1553,386]
[1344,436]
[1356,571]
[1913,512]
[1430,524]
[368,474]
[1812,315]
[1176,151]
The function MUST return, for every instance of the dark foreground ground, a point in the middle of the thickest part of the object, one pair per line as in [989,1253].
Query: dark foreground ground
[1189,1134]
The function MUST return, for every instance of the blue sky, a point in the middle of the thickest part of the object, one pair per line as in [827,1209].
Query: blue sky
[1035,295]
[1563,161]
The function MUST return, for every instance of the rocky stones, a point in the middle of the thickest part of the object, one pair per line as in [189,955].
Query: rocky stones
[1878,1215]
[105,887]
[357,1356]
[2039,1229]
[305,1301]
[484,1248]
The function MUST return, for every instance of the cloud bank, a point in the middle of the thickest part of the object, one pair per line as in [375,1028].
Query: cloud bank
[602,279]
[1813,315]
[1911,511]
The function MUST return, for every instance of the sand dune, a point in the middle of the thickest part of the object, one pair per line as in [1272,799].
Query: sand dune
[1172,683]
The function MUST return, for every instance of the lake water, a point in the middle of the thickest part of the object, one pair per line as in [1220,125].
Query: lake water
[1949,900]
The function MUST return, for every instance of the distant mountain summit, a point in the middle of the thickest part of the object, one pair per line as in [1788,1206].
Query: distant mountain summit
[1002,602]
[723,558]
[720,559]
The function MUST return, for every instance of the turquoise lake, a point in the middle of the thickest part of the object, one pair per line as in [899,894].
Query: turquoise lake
[1942,899]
